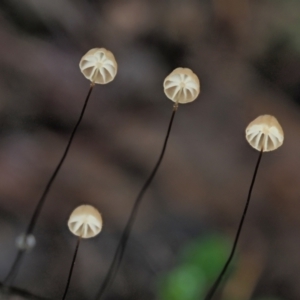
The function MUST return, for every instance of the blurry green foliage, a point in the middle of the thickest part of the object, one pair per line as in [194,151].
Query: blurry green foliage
[184,282]
[200,262]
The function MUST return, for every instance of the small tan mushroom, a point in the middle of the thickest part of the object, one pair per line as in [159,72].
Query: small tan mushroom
[182,85]
[85,221]
[265,133]
[99,66]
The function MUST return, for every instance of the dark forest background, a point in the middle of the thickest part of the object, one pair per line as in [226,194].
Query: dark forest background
[246,54]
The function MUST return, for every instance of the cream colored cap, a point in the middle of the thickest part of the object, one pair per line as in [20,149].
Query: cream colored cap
[99,66]
[85,221]
[265,133]
[182,85]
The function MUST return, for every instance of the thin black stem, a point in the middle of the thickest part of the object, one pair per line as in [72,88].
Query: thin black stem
[219,279]
[113,269]
[71,269]
[20,255]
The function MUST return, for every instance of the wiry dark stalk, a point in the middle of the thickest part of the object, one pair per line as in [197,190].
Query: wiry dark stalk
[113,269]
[71,269]
[219,279]
[20,255]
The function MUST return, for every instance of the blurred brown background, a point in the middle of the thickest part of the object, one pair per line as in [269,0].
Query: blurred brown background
[247,56]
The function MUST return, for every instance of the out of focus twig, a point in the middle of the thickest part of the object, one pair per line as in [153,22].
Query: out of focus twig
[14,291]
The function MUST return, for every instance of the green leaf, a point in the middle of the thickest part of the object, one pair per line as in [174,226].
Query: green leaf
[208,254]
[185,282]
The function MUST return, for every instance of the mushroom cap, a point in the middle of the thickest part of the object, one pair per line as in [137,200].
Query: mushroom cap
[265,133]
[99,65]
[85,221]
[182,85]
[25,242]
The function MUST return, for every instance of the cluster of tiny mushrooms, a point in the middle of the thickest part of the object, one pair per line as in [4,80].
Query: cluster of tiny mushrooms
[181,86]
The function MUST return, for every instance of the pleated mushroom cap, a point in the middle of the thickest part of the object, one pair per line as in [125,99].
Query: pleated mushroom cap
[99,66]
[182,85]
[265,133]
[85,221]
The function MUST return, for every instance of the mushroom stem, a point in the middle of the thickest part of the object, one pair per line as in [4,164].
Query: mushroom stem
[175,106]
[20,255]
[71,269]
[214,287]
[113,269]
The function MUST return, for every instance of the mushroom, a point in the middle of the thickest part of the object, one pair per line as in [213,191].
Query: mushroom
[85,222]
[180,86]
[263,134]
[25,242]
[99,66]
